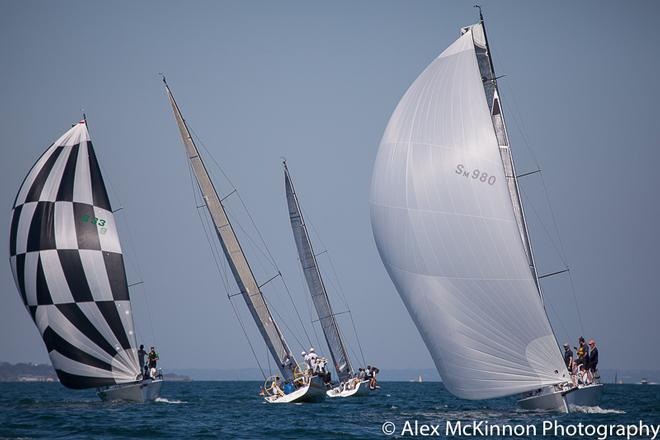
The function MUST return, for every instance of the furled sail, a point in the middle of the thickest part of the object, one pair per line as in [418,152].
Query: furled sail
[240,268]
[446,231]
[315,283]
[68,266]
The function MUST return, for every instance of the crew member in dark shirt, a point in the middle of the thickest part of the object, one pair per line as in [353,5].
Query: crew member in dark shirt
[593,356]
[568,357]
[143,365]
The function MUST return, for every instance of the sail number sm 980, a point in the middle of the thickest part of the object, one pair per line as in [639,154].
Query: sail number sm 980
[475,174]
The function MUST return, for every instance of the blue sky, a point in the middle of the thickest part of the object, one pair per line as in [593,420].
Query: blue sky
[316,83]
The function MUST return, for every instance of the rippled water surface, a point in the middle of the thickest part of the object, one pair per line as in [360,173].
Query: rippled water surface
[234,410]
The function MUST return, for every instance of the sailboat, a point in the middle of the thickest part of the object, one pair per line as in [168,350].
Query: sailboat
[67,263]
[349,385]
[303,387]
[450,229]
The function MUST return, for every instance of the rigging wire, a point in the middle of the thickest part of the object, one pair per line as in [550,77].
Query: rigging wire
[269,255]
[309,304]
[561,251]
[279,274]
[254,353]
[216,258]
[340,289]
[335,279]
[213,243]
[561,257]
[283,321]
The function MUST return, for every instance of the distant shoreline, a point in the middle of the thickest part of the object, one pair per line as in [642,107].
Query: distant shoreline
[32,372]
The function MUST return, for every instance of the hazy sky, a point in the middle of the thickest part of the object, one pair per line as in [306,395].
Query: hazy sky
[316,82]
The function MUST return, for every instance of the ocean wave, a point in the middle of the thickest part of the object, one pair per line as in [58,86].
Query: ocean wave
[594,410]
[164,400]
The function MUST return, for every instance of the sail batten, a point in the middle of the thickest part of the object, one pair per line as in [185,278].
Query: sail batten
[315,283]
[446,230]
[240,268]
[68,266]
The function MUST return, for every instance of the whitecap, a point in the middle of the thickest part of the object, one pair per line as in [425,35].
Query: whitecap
[164,400]
[594,410]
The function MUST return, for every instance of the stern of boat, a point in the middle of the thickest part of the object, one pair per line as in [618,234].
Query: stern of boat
[312,392]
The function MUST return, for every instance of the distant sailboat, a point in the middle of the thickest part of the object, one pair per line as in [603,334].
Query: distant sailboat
[419,379]
[307,389]
[68,266]
[450,228]
[349,384]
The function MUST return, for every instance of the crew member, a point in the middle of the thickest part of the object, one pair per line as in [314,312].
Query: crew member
[568,357]
[153,359]
[143,365]
[593,357]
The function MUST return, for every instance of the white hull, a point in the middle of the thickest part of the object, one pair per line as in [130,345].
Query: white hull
[362,389]
[587,395]
[133,392]
[312,392]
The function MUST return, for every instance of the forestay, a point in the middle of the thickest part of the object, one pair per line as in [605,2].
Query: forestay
[240,268]
[68,266]
[315,283]
[445,228]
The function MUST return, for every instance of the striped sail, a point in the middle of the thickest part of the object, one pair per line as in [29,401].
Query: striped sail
[315,283]
[67,264]
[446,230]
[240,268]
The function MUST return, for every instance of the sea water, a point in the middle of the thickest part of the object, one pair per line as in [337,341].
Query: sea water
[233,410]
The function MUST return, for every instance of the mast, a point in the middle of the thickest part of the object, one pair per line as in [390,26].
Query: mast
[491,89]
[315,283]
[240,268]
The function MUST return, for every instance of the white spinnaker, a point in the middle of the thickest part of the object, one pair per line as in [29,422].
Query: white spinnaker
[451,243]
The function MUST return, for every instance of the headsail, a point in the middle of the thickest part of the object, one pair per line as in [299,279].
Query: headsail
[447,233]
[68,266]
[240,268]
[315,283]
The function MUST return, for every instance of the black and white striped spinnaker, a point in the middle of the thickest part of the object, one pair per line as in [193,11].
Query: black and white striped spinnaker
[68,266]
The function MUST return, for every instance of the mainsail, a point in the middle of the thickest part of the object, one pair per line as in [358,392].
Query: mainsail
[247,284]
[68,266]
[489,81]
[315,283]
[448,235]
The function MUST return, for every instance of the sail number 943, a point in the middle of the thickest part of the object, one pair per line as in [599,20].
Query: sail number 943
[475,174]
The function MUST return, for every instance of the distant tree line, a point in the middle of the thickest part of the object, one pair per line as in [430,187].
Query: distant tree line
[12,372]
